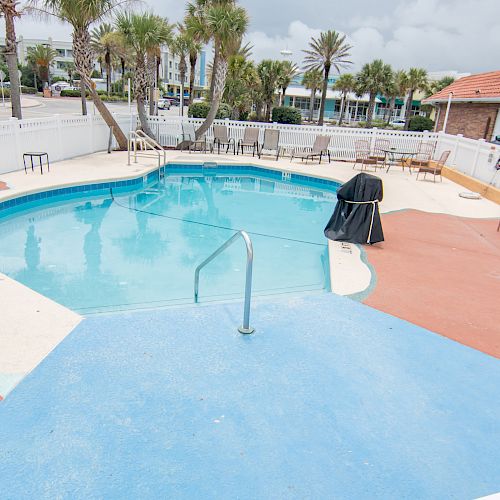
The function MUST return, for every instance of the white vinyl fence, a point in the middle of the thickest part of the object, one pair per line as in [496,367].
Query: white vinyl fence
[68,136]
[168,132]
[61,136]
[474,158]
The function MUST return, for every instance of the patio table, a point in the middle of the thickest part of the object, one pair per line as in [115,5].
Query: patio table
[395,156]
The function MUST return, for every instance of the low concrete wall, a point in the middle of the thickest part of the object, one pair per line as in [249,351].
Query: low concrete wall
[485,190]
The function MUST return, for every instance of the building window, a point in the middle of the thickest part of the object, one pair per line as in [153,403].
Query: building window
[170,75]
[69,53]
[304,103]
[170,64]
[61,52]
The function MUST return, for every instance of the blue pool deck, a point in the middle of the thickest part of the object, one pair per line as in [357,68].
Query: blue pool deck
[328,399]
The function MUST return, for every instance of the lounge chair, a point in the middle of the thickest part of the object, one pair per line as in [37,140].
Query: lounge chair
[319,148]
[221,138]
[434,168]
[189,136]
[379,151]
[250,140]
[363,156]
[271,143]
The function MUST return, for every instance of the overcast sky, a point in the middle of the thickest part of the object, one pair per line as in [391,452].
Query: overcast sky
[461,35]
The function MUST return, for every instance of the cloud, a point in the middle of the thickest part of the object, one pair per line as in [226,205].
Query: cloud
[433,34]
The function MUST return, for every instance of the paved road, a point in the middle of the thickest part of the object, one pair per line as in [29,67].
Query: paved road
[66,105]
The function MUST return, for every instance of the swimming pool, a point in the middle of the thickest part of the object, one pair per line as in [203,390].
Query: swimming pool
[138,247]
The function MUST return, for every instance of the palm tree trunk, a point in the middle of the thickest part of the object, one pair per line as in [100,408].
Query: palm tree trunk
[83,63]
[141,78]
[342,104]
[311,105]
[193,57]
[408,109]
[108,72]
[371,107]
[151,73]
[219,79]
[83,97]
[214,72]
[10,52]
[284,96]
[392,105]
[122,62]
[143,118]
[323,96]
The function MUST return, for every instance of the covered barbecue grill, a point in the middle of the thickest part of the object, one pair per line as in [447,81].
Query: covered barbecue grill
[356,218]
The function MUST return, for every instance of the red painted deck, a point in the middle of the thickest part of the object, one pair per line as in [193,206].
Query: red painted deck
[443,273]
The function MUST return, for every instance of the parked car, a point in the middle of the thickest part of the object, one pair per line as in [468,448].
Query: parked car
[163,103]
[397,123]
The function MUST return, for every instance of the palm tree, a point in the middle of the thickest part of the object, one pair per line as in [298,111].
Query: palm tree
[224,23]
[8,8]
[269,73]
[329,51]
[106,44]
[241,83]
[345,84]
[81,14]
[181,48]
[397,87]
[287,72]
[373,79]
[312,80]
[144,33]
[69,67]
[41,57]
[417,80]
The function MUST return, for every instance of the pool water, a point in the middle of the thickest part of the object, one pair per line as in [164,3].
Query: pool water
[140,249]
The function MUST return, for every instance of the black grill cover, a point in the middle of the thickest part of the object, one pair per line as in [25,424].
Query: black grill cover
[351,222]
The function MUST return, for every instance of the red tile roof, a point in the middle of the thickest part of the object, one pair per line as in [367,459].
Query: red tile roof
[483,86]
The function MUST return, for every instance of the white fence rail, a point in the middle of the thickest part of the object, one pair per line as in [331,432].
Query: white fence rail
[68,136]
[61,136]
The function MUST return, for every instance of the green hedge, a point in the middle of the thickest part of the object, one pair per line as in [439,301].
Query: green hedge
[71,93]
[420,123]
[287,114]
[201,109]
[29,90]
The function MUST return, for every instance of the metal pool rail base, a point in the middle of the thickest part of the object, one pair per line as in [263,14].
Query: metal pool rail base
[245,328]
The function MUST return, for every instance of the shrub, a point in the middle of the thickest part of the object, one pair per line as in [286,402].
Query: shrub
[199,109]
[29,90]
[70,93]
[420,123]
[6,92]
[287,114]
[224,111]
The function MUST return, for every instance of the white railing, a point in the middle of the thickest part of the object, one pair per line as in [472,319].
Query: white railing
[61,136]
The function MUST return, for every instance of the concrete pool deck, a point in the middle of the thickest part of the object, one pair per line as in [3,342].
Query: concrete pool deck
[328,399]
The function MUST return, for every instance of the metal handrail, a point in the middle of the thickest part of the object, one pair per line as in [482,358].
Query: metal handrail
[144,139]
[245,328]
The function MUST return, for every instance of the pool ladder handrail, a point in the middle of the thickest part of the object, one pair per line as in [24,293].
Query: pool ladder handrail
[245,328]
[146,143]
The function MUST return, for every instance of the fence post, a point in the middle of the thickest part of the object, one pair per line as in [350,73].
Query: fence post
[16,131]
[373,138]
[60,145]
[457,142]
[480,142]
[91,132]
